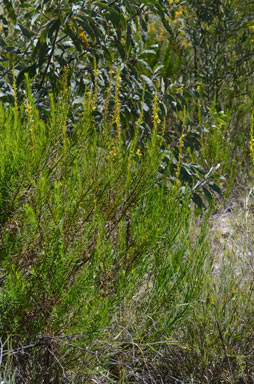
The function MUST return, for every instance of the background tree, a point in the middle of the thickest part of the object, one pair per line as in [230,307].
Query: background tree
[98,47]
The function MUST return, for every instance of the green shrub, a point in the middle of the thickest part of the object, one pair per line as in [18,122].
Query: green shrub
[92,237]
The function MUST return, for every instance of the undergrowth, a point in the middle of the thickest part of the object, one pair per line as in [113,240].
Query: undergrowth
[97,260]
[106,275]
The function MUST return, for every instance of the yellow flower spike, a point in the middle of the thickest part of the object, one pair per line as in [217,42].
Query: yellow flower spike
[181,144]
[95,93]
[15,90]
[116,117]
[251,142]
[108,93]
[141,115]
[156,108]
[29,113]
[178,170]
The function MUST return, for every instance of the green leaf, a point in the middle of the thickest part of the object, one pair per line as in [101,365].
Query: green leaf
[122,21]
[217,167]
[40,42]
[107,53]
[148,82]
[2,42]
[148,51]
[91,28]
[197,200]
[133,70]
[208,195]
[145,64]
[198,168]
[157,70]
[25,31]
[10,10]
[143,24]
[43,54]
[74,37]
[215,187]
[31,70]
[88,29]
[113,15]
[120,49]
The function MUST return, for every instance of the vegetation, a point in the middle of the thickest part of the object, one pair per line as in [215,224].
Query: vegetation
[124,126]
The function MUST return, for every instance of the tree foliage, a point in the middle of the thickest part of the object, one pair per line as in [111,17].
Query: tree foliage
[84,36]
[221,35]
[97,47]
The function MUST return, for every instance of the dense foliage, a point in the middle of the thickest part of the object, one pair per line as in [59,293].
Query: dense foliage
[95,46]
[91,39]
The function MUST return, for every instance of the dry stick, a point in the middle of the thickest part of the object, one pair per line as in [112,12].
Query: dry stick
[247,373]
[225,351]
[22,349]
[61,366]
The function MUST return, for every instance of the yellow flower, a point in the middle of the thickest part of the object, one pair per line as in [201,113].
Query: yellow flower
[186,43]
[178,13]
[83,37]
[138,153]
